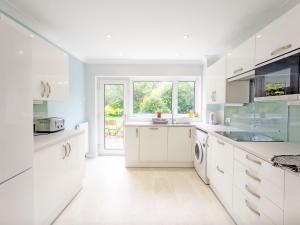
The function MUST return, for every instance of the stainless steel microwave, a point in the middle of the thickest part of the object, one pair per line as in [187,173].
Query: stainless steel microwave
[281,77]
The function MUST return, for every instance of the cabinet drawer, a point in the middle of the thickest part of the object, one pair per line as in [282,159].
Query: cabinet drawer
[268,195]
[247,212]
[223,154]
[260,167]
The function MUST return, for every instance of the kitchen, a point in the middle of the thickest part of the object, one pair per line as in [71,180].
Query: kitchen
[128,122]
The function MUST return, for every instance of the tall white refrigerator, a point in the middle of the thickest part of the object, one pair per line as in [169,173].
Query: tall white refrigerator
[16,135]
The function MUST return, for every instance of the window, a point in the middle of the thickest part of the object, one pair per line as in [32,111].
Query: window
[186,97]
[152,96]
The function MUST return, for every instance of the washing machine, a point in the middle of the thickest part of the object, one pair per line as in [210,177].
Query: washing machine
[200,154]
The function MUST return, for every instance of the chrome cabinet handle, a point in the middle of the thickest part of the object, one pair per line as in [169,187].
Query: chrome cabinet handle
[253,160]
[66,151]
[70,149]
[190,133]
[153,128]
[44,89]
[136,132]
[218,169]
[220,142]
[213,96]
[252,192]
[238,70]
[49,89]
[252,176]
[249,207]
[279,50]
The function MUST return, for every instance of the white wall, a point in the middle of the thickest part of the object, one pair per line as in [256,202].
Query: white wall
[126,70]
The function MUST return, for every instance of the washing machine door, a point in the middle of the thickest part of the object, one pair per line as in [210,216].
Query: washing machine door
[198,152]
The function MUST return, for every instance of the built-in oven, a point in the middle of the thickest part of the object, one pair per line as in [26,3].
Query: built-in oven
[279,77]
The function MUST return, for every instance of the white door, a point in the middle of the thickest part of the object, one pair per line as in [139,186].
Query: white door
[111,115]
[16,133]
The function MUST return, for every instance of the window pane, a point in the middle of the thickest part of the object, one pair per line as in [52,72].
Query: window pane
[152,97]
[186,96]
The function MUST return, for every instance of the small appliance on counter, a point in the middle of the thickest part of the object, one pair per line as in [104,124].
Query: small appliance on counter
[212,118]
[49,125]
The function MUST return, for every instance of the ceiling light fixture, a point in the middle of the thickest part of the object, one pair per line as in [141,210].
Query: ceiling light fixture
[258,36]
[177,54]
[108,36]
[186,36]
[32,35]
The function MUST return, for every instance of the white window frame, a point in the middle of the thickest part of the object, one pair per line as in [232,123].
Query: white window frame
[174,80]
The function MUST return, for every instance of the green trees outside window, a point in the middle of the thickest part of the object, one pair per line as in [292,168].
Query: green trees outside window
[186,97]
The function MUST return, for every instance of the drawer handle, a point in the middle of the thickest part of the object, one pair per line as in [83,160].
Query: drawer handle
[253,210]
[252,192]
[220,142]
[252,176]
[49,90]
[66,151]
[136,132]
[253,160]
[238,70]
[218,169]
[153,128]
[279,50]
[190,133]
[44,89]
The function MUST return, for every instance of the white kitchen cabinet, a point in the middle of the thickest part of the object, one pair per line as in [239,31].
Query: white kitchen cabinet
[241,59]
[16,108]
[221,170]
[50,69]
[215,82]
[15,195]
[180,144]
[132,144]
[58,173]
[279,37]
[153,143]
[292,199]
[219,91]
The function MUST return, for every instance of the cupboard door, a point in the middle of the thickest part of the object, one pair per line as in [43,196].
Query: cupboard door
[179,144]
[292,199]
[280,37]
[50,68]
[132,142]
[16,100]
[153,144]
[241,59]
[16,205]
[215,83]
[50,182]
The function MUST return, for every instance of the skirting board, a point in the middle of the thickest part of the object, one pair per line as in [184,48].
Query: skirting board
[160,164]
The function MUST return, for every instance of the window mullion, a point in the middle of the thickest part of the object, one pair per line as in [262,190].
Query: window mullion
[175,98]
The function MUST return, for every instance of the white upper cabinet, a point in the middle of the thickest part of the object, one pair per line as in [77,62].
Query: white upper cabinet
[241,59]
[280,37]
[50,68]
[215,82]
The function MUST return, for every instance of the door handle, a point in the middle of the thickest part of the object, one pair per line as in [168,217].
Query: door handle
[190,133]
[252,176]
[136,132]
[44,89]
[70,149]
[279,50]
[238,70]
[218,169]
[49,89]
[66,151]
[153,128]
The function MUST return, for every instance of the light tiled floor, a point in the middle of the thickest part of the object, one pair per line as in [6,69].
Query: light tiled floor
[114,195]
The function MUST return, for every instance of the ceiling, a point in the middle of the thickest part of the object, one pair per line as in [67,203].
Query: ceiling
[116,30]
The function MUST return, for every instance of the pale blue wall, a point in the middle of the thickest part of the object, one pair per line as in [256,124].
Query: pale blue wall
[73,110]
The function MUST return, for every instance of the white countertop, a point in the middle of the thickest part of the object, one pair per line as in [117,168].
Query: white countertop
[43,141]
[263,150]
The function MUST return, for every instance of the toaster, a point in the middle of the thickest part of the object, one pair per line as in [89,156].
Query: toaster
[49,125]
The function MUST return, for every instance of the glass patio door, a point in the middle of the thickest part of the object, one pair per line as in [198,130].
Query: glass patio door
[111,113]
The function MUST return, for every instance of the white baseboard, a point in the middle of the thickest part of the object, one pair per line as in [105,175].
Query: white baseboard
[160,164]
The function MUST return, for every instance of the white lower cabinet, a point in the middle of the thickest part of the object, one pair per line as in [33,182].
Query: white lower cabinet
[58,173]
[158,146]
[153,144]
[180,144]
[221,170]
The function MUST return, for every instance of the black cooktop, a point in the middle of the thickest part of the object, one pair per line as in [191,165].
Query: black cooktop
[244,136]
